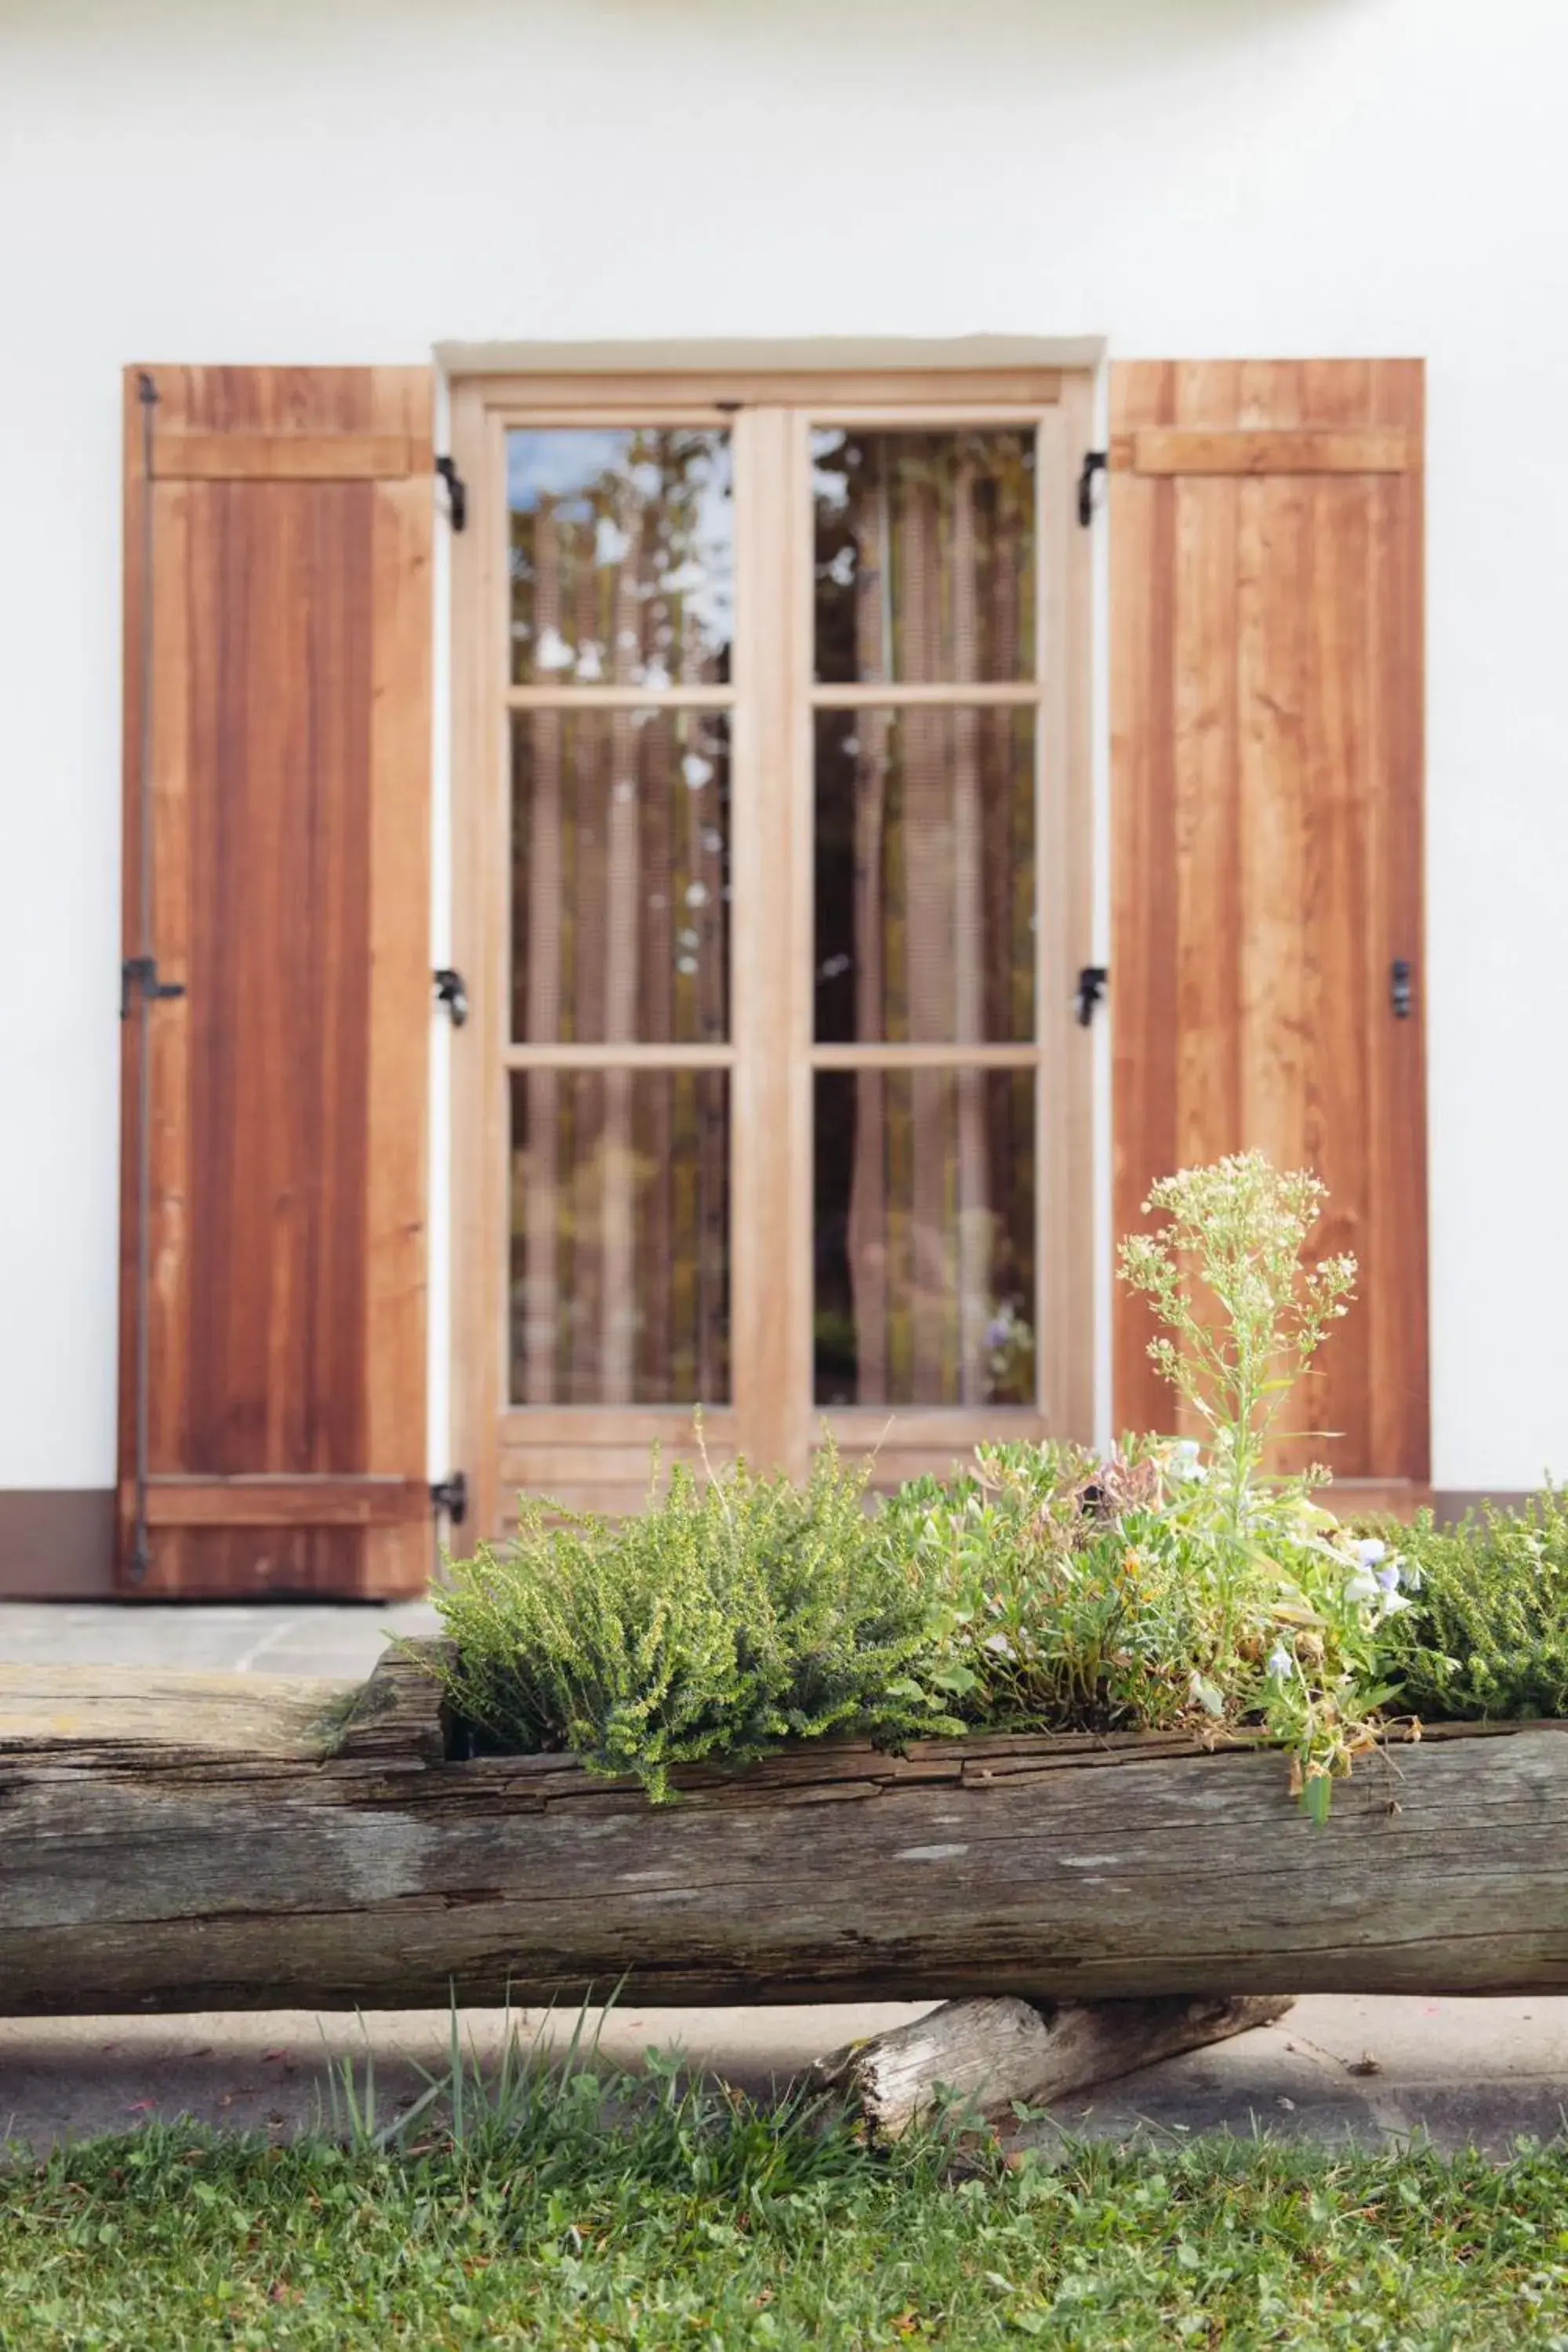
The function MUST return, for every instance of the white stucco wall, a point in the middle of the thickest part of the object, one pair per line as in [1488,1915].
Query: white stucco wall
[354,180]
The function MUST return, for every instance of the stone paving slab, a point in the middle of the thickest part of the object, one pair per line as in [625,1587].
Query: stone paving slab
[335,1639]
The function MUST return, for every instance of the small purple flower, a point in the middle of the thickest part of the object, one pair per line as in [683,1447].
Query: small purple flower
[1279,1666]
[1388,1578]
[1369,1552]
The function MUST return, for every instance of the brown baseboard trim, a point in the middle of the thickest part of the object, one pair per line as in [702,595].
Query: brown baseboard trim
[1451,1503]
[57,1543]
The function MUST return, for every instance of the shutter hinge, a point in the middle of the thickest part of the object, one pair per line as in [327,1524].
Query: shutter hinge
[451,992]
[451,1495]
[142,972]
[1095,461]
[457,491]
[1089,992]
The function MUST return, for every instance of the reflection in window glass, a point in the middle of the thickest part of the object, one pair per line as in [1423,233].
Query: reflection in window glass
[925,875]
[924,555]
[924,1238]
[620,875]
[622,556]
[620,1237]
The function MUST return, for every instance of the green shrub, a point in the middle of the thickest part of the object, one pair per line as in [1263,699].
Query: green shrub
[1102,1596]
[1488,1633]
[728,1617]
[1045,1590]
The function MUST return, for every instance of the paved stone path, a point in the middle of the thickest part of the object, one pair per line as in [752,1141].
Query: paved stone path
[1464,2070]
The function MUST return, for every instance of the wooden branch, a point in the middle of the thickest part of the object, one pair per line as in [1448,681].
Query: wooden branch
[196,1842]
[988,2054]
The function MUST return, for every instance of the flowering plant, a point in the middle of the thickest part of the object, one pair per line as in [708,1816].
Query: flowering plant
[1104,1595]
[1244,1312]
[1173,1585]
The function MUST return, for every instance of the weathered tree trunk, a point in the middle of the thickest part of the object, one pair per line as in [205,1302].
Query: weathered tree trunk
[987,2054]
[181,1841]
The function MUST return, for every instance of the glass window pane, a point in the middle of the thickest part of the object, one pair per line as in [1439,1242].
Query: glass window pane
[622,559]
[925,555]
[925,875]
[620,879]
[620,1237]
[924,1273]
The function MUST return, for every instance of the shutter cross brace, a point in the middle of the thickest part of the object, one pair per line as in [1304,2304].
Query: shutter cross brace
[457,491]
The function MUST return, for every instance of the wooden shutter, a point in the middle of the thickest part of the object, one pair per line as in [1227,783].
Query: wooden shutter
[1265,555]
[289,773]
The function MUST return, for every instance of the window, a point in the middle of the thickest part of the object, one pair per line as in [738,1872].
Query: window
[772,891]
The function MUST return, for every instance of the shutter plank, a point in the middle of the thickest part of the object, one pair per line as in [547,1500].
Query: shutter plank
[1144,925]
[1341,784]
[1206,785]
[1271,690]
[1395,1303]
[397,1175]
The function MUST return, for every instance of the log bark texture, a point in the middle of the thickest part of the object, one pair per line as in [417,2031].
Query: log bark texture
[227,1842]
[986,2055]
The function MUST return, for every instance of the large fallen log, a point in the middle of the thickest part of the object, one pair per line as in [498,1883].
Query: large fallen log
[196,1842]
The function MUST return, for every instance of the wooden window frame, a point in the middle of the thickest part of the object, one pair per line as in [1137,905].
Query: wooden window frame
[600,1452]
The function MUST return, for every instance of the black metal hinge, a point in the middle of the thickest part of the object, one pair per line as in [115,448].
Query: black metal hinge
[451,992]
[1401,987]
[142,972]
[457,491]
[1095,461]
[451,1495]
[1089,992]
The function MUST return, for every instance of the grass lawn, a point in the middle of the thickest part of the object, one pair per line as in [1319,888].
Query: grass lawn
[584,2213]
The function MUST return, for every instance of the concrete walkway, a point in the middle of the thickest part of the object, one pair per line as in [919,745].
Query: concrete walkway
[1481,2072]
[263,1638]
